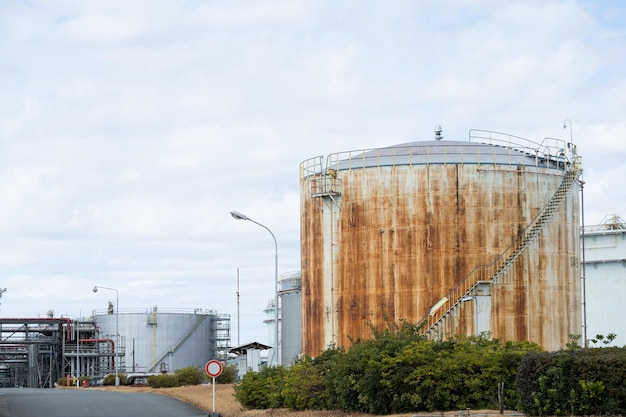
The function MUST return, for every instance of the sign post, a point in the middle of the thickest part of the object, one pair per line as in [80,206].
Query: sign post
[213,368]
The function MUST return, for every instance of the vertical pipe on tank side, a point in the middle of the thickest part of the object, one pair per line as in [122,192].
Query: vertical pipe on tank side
[582,219]
[332,274]
[238,331]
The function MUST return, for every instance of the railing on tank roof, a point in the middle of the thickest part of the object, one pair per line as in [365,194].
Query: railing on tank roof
[611,222]
[324,180]
[551,149]
[550,152]
[104,312]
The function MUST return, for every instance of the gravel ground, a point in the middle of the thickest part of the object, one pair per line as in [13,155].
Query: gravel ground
[226,405]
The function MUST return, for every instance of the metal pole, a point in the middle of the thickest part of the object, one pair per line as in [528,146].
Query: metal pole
[213,387]
[240,216]
[117,329]
[582,263]
[117,338]
[238,315]
[77,355]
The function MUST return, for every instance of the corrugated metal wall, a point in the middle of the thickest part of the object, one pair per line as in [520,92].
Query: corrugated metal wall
[605,271]
[290,293]
[399,237]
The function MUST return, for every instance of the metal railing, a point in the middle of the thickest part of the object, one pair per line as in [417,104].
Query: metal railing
[507,150]
[491,271]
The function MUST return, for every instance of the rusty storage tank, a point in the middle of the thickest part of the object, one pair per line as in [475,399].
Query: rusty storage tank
[463,236]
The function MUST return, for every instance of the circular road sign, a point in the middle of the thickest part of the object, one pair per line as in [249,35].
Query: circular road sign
[213,368]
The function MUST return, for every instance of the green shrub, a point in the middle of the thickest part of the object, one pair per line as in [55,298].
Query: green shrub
[573,382]
[263,389]
[228,375]
[189,376]
[182,377]
[163,381]
[305,387]
[109,379]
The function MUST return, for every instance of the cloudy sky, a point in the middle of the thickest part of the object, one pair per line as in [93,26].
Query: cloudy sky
[130,129]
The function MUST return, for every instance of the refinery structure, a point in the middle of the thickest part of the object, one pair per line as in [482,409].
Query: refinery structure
[37,352]
[481,236]
[464,236]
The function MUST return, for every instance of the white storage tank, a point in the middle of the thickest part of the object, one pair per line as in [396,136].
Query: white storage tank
[605,279]
[290,295]
[153,340]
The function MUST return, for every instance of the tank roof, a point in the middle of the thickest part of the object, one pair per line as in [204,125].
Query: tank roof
[448,152]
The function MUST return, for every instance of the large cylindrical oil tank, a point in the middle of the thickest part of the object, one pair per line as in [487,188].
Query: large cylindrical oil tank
[486,229]
[155,341]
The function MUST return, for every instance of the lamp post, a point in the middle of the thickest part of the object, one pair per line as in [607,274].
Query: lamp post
[565,123]
[117,328]
[238,216]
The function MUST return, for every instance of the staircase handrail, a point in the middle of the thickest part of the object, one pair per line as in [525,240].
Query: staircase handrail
[488,272]
[183,339]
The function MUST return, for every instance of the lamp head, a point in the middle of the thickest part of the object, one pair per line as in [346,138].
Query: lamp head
[95,289]
[238,216]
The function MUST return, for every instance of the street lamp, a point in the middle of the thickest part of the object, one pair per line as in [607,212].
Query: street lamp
[239,216]
[565,123]
[117,328]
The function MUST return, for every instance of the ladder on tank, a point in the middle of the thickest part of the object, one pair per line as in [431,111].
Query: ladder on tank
[493,271]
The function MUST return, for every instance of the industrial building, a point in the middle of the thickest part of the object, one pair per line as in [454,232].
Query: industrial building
[471,236]
[31,351]
[604,279]
[37,352]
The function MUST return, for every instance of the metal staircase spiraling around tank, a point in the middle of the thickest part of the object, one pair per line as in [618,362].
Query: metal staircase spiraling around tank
[493,271]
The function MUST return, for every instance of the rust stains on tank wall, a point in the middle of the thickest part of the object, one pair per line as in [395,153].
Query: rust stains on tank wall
[399,238]
[312,262]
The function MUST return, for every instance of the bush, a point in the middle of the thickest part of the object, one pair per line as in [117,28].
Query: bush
[228,375]
[396,372]
[162,381]
[182,377]
[109,379]
[263,389]
[305,387]
[189,376]
[574,382]
[401,374]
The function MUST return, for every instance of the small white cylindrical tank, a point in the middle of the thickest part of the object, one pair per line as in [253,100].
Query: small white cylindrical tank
[290,295]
